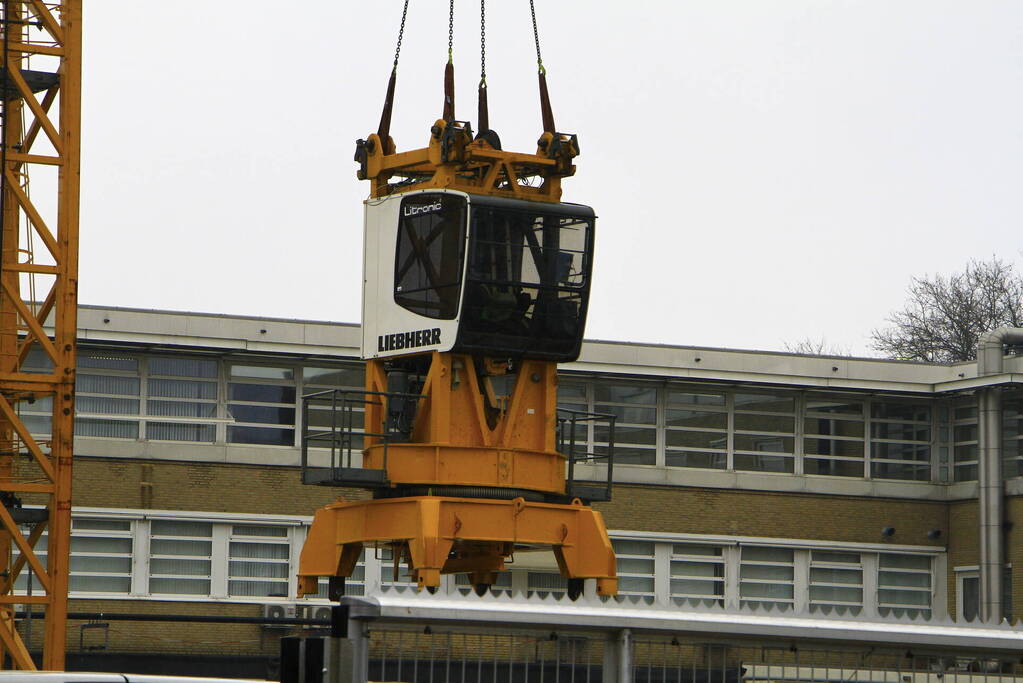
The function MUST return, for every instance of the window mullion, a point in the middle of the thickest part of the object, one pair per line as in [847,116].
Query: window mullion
[220,557]
[140,561]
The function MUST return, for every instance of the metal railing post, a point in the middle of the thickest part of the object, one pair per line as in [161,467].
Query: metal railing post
[618,657]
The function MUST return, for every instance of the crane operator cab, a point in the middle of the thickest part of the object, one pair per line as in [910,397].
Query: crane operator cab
[487,276]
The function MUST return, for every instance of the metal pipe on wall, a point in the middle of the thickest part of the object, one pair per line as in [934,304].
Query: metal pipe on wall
[991,496]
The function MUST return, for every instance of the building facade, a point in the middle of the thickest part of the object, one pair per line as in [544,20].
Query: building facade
[800,485]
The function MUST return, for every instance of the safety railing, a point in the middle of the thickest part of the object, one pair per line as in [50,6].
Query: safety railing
[334,432]
[574,443]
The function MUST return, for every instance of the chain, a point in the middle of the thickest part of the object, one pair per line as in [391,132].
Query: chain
[483,42]
[536,37]
[451,28]
[401,34]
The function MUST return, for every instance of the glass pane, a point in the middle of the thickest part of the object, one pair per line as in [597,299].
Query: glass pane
[102,384]
[182,388]
[897,597]
[179,567]
[763,571]
[182,367]
[716,461]
[101,544]
[633,547]
[269,589]
[833,468]
[266,531]
[695,398]
[901,430]
[626,393]
[262,372]
[700,419]
[179,586]
[107,406]
[687,549]
[630,414]
[758,554]
[695,587]
[100,584]
[335,377]
[264,414]
[780,403]
[890,410]
[718,440]
[173,527]
[177,431]
[966,433]
[570,391]
[100,524]
[181,409]
[764,423]
[623,435]
[108,429]
[169,546]
[846,449]
[882,470]
[765,590]
[261,435]
[836,594]
[261,393]
[764,463]
[853,576]
[834,405]
[900,451]
[835,558]
[262,550]
[833,427]
[259,570]
[430,253]
[108,565]
[106,361]
[635,584]
[891,561]
[709,569]
[764,442]
[630,456]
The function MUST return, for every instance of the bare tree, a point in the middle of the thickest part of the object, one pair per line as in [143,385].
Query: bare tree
[811,346]
[944,316]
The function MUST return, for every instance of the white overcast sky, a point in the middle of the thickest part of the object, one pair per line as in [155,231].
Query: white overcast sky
[763,170]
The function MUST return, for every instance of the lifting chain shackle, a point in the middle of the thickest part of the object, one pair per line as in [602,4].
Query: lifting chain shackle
[545,99]
[384,129]
[449,68]
[484,109]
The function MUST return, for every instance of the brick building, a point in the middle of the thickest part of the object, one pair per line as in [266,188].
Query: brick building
[809,485]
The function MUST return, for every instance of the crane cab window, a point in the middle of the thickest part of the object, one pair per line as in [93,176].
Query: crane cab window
[430,252]
[528,279]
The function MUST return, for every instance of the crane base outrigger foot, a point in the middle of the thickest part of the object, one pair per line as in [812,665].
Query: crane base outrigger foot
[442,535]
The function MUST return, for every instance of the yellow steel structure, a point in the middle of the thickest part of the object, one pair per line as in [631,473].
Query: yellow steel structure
[462,435]
[41,115]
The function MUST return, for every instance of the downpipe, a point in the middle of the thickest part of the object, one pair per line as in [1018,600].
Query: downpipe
[991,494]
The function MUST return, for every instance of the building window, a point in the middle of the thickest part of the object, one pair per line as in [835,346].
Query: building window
[258,561]
[836,581]
[180,557]
[904,585]
[635,568]
[261,399]
[101,552]
[635,406]
[107,395]
[833,443]
[1012,434]
[697,574]
[183,392]
[320,415]
[964,437]
[900,440]
[545,583]
[764,438]
[767,577]
[696,429]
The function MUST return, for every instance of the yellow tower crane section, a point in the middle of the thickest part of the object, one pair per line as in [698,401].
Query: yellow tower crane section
[40,117]
[476,284]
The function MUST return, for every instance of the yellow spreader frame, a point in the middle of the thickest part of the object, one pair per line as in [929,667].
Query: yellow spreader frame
[462,435]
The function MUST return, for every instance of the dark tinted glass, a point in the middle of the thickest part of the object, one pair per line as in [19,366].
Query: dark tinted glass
[431,246]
